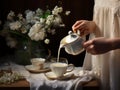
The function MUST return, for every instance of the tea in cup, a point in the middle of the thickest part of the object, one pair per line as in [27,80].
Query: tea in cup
[59,68]
[38,63]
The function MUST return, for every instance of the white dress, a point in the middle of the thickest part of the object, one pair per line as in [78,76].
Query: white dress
[106,66]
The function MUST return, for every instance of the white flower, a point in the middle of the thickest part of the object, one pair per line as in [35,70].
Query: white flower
[10,15]
[30,16]
[57,10]
[20,16]
[39,12]
[42,20]
[49,19]
[62,25]
[47,41]
[57,20]
[8,77]
[67,13]
[15,25]
[37,32]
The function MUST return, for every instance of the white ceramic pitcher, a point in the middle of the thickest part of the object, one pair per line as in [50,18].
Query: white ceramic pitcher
[73,43]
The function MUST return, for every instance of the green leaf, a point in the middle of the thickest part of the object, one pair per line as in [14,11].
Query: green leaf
[45,15]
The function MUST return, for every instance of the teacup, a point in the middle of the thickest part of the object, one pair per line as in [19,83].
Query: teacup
[38,63]
[59,68]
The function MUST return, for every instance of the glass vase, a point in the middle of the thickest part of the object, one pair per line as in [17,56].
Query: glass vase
[30,49]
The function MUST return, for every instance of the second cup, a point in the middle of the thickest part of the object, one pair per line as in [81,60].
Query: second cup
[38,63]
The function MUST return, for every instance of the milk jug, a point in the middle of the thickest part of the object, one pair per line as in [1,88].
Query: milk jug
[73,43]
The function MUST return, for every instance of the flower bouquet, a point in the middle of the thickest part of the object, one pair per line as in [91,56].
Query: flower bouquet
[30,32]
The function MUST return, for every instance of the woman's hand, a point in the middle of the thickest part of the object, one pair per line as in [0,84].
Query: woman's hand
[98,45]
[84,26]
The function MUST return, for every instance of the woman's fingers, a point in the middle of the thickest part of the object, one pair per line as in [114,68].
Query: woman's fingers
[78,25]
[90,49]
[89,46]
[87,43]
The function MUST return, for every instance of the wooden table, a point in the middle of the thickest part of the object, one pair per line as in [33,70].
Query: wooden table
[24,85]
[19,85]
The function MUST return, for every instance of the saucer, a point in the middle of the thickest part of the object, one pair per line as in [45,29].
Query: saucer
[52,76]
[32,69]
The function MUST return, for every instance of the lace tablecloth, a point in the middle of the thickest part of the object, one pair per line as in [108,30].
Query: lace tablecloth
[38,81]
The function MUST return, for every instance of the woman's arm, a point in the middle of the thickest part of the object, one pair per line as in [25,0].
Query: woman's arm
[101,45]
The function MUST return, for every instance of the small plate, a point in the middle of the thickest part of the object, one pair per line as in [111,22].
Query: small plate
[52,76]
[31,69]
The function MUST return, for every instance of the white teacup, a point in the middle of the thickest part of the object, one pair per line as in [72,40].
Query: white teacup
[38,63]
[59,68]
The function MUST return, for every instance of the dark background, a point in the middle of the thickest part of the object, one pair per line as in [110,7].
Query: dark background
[80,9]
